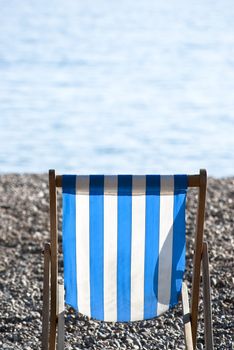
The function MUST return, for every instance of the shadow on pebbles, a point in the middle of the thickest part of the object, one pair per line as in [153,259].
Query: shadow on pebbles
[24,227]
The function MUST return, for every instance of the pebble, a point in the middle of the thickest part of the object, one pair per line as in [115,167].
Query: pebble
[24,228]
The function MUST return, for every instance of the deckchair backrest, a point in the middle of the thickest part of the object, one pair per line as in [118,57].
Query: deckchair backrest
[55,181]
[123,244]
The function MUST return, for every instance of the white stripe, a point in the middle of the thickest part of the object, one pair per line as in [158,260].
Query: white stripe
[138,249]
[165,242]
[110,248]
[82,244]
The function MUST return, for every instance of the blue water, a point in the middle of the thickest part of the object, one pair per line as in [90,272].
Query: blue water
[128,86]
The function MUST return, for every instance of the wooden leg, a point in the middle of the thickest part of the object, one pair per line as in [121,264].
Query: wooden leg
[207,299]
[46,298]
[60,315]
[187,318]
[198,254]
[61,331]
[54,258]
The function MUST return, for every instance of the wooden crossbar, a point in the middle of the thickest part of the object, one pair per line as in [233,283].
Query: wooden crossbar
[193,181]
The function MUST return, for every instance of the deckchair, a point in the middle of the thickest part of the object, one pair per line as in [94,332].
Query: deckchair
[124,252]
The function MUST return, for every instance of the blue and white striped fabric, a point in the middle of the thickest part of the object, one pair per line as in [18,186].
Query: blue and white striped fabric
[123,244]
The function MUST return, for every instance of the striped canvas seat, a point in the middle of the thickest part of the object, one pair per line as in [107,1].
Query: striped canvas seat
[123,244]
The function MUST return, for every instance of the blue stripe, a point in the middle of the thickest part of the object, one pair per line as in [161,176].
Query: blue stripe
[69,239]
[124,248]
[180,184]
[96,215]
[178,255]
[151,245]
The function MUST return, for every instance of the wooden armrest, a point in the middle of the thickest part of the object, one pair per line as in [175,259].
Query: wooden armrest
[187,318]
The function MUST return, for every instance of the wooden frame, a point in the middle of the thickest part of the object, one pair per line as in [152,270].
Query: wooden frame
[187,318]
[200,258]
[207,298]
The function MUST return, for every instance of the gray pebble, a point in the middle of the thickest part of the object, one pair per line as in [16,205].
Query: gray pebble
[24,227]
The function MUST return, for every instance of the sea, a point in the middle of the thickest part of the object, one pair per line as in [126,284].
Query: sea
[111,87]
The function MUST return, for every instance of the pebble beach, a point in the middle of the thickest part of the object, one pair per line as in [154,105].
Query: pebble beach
[24,228]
